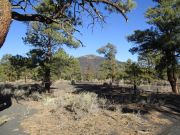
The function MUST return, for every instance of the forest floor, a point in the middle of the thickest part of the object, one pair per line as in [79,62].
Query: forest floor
[77,110]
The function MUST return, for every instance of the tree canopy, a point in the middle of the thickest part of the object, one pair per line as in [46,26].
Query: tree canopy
[58,11]
[162,38]
[109,66]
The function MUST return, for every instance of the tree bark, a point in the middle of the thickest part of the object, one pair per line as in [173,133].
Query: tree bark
[31,17]
[25,79]
[135,88]
[47,77]
[47,80]
[172,78]
[5,19]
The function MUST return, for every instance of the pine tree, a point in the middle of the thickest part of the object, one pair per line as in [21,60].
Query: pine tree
[64,66]
[7,71]
[133,74]
[61,11]
[47,38]
[162,37]
[109,66]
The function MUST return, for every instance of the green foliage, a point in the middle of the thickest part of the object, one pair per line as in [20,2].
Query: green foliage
[17,67]
[127,5]
[162,38]
[109,51]
[109,67]
[39,35]
[7,71]
[20,64]
[47,38]
[89,73]
[73,70]
[134,73]
[72,11]
[59,63]
[33,67]
[64,66]
[147,62]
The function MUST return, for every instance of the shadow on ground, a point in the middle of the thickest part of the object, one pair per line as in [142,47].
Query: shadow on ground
[18,92]
[144,100]
[5,102]
[141,103]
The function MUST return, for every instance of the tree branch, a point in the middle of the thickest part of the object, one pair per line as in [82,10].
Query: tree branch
[31,17]
[113,4]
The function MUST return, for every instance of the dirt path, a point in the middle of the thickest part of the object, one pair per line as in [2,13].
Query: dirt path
[15,114]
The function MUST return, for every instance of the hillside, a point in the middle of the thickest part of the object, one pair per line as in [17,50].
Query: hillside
[92,62]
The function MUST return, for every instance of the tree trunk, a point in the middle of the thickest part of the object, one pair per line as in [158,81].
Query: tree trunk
[5,19]
[25,79]
[135,88]
[172,78]
[47,80]
[47,77]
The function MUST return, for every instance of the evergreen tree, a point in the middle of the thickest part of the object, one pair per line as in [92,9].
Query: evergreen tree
[46,39]
[133,74]
[109,66]
[7,71]
[147,63]
[61,11]
[89,73]
[162,37]
[20,65]
[65,66]
[73,70]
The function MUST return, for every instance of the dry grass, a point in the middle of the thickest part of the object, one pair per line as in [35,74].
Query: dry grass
[86,102]
[66,113]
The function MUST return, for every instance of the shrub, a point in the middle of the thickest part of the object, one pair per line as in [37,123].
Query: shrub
[79,104]
[6,91]
[36,96]
[19,93]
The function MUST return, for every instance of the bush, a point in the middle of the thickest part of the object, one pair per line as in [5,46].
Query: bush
[19,93]
[36,96]
[79,104]
[6,91]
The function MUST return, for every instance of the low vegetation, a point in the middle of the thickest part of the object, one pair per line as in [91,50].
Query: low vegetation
[111,98]
[86,113]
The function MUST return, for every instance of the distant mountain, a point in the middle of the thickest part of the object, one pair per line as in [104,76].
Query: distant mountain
[91,61]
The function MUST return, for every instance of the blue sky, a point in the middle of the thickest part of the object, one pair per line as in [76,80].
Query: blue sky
[114,31]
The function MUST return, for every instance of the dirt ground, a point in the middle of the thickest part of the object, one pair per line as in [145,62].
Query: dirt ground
[52,118]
